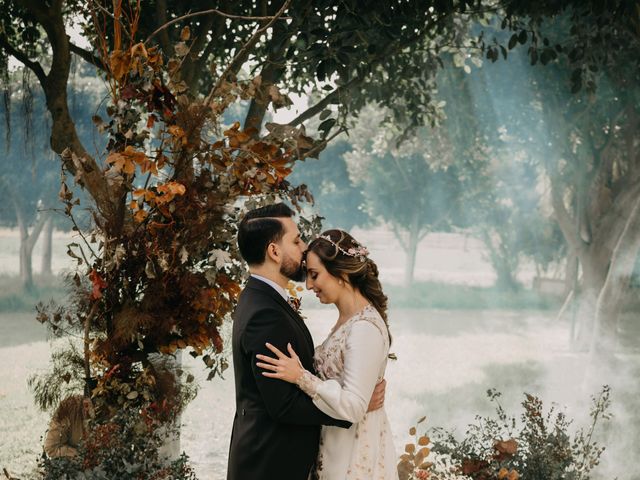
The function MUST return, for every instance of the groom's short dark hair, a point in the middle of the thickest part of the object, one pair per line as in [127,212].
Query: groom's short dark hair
[260,227]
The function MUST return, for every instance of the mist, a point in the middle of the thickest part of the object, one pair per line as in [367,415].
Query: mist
[505,234]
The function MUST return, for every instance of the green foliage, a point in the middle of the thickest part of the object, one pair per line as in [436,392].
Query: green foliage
[65,378]
[336,198]
[357,46]
[595,36]
[353,53]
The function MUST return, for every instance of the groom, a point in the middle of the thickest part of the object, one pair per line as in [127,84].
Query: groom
[276,428]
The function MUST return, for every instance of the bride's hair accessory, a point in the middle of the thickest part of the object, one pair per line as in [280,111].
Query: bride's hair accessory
[358,251]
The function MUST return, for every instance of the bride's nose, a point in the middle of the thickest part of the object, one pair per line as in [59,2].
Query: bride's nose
[309,283]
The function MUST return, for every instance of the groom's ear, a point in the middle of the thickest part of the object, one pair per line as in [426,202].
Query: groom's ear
[273,252]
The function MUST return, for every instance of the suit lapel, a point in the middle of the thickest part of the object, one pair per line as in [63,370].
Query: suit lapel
[293,316]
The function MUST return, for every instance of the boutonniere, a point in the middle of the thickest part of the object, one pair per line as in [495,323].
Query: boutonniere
[295,303]
[294,300]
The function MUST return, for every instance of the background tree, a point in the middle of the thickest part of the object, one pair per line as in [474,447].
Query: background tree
[336,198]
[413,187]
[493,186]
[592,163]
[347,49]
[495,147]
[594,185]
[29,176]
[31,173]
[578,120]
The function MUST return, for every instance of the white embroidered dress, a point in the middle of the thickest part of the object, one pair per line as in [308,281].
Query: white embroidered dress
[350,362]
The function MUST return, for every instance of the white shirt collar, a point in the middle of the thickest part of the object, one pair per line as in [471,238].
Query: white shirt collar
[273,284]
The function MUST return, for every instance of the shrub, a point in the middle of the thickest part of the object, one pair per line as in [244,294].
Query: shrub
[125,447]
[540,446]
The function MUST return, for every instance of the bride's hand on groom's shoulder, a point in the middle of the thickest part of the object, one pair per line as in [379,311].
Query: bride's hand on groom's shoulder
[283,367]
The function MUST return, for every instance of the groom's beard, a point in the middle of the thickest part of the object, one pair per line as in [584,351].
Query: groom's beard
[292,270]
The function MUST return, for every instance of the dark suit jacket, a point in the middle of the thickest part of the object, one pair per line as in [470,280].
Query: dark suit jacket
[276,427]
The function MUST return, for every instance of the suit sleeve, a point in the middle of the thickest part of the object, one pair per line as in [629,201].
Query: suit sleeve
[365,350]
[284,401]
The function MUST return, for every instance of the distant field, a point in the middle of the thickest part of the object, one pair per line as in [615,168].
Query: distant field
[442,257]
[10,248]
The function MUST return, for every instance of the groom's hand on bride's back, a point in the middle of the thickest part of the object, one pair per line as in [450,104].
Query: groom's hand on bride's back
[377,398]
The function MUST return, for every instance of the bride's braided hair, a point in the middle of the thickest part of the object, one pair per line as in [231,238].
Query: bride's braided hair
[345,258]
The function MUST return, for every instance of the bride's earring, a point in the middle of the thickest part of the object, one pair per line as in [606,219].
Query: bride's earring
[341,282]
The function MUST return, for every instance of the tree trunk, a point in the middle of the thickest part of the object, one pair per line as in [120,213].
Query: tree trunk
[27,242]
[45,268]
[583,315]
[26,270]
[270,75]
[571,273]
[595,253]
[502,265]
[64,136]
[412,248]
[609,301]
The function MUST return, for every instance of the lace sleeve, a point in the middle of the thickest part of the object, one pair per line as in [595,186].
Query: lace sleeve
[309,383]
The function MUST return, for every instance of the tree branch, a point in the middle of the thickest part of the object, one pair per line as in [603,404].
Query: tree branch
[565,222]
[190,71]
[200,63]
[319,106]
[609,226]
[213,11]
[23,58]
[238,60]
[64,136]
[270,74]
[322,145]
[621,268]
[161,15]
[88,57]
[86,340]
[398,236]
[36,230]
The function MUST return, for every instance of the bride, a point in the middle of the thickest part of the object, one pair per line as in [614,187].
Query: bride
[349,362]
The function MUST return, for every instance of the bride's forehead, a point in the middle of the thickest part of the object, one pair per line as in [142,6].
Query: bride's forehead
[313,261]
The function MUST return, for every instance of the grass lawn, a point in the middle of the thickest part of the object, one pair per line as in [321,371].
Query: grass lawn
[14,299]
[465,297]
